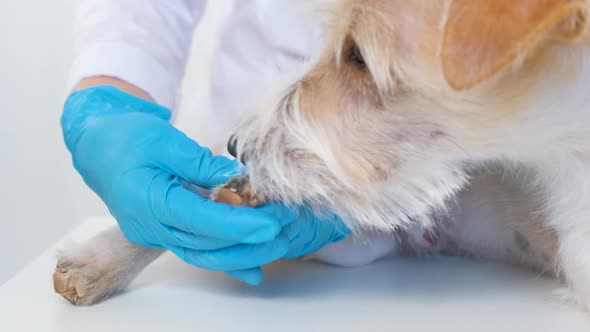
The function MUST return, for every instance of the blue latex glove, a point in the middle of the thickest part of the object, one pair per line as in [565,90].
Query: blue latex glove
[307,233]
[133,158]
[303,233]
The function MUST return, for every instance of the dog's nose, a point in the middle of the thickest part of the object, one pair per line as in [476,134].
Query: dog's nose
[232,146]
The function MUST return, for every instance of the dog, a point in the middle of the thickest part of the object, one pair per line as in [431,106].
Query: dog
[455,126]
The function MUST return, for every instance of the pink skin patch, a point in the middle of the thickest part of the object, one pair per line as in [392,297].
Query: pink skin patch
[422,239]
[427,237]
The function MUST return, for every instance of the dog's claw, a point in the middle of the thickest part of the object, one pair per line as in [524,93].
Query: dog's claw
[63,265]
[238,192]
[75,283]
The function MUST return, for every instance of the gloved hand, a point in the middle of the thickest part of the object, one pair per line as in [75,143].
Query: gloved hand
[306,232]
[134,159]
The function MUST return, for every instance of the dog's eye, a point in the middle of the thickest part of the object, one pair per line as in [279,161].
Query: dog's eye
[355,57]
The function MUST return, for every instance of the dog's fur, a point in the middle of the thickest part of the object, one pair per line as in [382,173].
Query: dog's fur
[468,120]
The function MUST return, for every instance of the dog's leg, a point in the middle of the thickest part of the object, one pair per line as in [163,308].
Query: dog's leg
[358,250]
[499,217]
[567,191]
[105,265]
[574,263]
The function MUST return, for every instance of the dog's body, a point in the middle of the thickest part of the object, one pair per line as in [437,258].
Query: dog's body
[492,219]
[465,120]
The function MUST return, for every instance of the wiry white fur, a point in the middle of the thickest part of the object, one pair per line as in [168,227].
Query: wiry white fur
[289,160]
[538,117]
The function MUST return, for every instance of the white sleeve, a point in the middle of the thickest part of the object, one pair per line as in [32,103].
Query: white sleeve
[144,42]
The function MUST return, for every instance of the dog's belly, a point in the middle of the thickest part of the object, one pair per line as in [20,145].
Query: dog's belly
[495,219]
[498,242]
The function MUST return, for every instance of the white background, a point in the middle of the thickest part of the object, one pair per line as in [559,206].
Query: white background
[41,196]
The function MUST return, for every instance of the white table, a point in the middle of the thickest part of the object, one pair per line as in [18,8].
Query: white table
[432,294]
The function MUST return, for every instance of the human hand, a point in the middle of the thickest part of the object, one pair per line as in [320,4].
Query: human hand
[134,159]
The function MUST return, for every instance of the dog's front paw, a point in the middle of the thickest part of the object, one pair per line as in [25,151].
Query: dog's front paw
[90,272]
[575,300]
[83,281]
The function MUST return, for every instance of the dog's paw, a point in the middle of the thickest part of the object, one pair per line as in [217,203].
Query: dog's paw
[89,272]
[566,295]
[85,279]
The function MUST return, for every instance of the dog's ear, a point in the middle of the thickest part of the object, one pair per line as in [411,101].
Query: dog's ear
[482,37]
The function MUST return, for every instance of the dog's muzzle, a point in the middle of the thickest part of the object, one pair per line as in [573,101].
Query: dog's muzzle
[232,149]
[232,146]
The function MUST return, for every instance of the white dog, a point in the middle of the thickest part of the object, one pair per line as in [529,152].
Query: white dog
[458,126]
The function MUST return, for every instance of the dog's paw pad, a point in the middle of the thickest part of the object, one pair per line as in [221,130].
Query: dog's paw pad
[81,283]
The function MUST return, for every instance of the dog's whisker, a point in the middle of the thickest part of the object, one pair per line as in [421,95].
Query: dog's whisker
[468,156]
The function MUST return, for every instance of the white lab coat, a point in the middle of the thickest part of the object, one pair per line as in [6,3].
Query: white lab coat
[147,43]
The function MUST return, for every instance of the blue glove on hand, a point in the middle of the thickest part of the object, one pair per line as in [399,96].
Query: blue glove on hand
[134,159]
[307,233]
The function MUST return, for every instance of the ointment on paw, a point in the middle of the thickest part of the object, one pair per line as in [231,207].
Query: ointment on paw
[236,192]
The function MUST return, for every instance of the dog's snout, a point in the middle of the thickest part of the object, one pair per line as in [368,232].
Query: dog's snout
[232,146]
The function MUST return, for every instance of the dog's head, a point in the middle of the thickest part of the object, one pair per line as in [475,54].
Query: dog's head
[405,92]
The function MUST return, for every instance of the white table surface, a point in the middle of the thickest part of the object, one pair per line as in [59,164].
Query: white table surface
[432,294]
